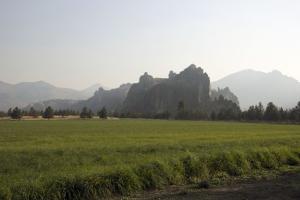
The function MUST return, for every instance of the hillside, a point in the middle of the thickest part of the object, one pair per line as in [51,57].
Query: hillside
[25,93]
[252,87]
[111,99]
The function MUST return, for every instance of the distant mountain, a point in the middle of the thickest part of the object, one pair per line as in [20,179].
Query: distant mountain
[56,104]
[111,99]
[91,90]
[252,87]
[25,93]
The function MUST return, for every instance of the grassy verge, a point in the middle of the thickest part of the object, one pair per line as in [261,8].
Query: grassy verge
[215,169]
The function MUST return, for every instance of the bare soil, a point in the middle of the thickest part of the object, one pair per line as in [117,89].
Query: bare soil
[285,187]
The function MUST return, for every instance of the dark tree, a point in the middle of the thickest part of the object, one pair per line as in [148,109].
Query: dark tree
[2,114]
[213,116]
[85,113]
[283,114]
[271,113]
[180,106]
[259,111]
[162,115]
[33,113]
[251,113]
[181,112]
[102,113]
[90,114]
[9,112]
[255,112]
[16,113]
[48,113]
[294,114]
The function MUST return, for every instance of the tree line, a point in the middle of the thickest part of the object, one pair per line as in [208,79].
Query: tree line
[49,112]
[272,113]
[225,110]
[257,112]
[221,109]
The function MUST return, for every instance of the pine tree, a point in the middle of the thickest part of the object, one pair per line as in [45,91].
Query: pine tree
[9,112]
[33,112]
[213,116]
[16,113]
[271,113]
[85,113]
[102,113]
[48,113]
[90,114]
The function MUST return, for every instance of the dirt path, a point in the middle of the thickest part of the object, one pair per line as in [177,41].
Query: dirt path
[286,187]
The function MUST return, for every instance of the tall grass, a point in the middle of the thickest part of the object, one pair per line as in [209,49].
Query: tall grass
[155,175]
[97,160]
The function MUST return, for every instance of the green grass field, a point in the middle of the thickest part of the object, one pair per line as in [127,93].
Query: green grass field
[90,159]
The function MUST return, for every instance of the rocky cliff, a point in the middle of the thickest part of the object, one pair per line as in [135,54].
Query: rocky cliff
[226,93]
[150,95]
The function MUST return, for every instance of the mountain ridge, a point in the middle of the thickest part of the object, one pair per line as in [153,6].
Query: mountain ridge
[24,93]
[252,86]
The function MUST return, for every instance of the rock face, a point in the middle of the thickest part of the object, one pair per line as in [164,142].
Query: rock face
[150,95]
[226,93]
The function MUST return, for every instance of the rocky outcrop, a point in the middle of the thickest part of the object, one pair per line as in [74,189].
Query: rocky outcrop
[226,93]
[152,95]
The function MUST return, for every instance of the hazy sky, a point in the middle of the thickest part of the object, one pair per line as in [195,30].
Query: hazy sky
[76,43]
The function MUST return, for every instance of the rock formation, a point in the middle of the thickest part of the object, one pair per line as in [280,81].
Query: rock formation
[151,95]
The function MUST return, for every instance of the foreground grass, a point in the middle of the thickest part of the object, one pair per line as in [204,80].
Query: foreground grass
[80,159]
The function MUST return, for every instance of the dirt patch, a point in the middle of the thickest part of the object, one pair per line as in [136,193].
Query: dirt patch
[285,187]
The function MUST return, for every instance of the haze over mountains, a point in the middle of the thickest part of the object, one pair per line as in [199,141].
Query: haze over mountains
[151,96]
[25,93]
[246,87]
[252,86]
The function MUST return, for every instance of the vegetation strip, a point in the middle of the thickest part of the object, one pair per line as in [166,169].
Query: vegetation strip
[154,175]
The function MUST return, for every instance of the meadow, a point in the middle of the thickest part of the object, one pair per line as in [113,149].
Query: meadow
[95,159]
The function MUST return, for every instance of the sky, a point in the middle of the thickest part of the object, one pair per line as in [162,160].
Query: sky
[77,43]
